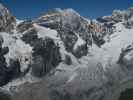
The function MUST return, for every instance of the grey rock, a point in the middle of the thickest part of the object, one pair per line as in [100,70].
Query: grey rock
[7,20]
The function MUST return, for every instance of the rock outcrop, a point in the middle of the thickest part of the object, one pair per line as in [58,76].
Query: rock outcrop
[7,20]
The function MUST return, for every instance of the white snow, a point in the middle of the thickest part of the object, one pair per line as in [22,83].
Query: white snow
[44,32]
[19,21]
[120,39]
[17,50]
[79,42]
[110,51]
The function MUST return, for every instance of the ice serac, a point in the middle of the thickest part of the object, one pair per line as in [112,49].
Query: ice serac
[66,56]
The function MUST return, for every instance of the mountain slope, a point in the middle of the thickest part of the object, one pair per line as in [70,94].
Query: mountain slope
[78,58]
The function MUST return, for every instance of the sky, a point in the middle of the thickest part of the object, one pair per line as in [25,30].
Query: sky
[30,9]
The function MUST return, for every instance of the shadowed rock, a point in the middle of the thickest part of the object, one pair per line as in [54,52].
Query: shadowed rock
[46,53]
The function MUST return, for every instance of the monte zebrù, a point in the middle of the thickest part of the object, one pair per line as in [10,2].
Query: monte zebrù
[78,58]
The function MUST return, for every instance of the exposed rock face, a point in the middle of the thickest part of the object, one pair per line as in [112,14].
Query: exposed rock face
[24,26]
[4,96]
[125,16]
[46,53]
[126,57]
[49,56]
[7,73]
[127,94]
[7,21]
[68,60]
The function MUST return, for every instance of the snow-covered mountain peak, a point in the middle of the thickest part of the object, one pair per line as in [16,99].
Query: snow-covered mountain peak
[81,59]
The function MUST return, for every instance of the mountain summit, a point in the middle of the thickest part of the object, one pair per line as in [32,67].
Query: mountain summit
[66,56]
[7,20]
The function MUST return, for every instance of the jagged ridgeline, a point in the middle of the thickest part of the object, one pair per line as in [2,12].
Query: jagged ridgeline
[79,58]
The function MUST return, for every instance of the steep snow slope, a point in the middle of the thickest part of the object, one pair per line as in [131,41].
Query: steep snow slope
[119,40]
[45,32]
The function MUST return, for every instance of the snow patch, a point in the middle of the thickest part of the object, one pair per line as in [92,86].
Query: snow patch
[79,42]
[72,77]
[44,32]
[18,21]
